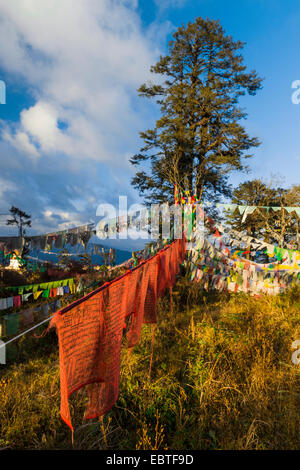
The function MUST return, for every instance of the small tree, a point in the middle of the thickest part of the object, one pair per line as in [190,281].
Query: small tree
[252,193]
[85,261]
[274,226]
[20,219]
[64,259]
[283,226]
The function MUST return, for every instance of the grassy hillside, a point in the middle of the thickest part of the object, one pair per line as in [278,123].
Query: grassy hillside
[222,378]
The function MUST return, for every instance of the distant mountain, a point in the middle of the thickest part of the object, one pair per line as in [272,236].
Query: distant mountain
[121,255]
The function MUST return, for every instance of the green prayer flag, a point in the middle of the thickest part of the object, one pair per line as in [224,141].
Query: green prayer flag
[12,324]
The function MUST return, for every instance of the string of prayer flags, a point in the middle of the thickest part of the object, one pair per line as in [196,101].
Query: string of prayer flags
[45,290]
[46,241]
[42,285]
[219,269]
[10,324]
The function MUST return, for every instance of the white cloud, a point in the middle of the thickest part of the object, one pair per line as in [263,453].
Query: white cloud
[5,186]
[166,4]
[84,60]
[20,141]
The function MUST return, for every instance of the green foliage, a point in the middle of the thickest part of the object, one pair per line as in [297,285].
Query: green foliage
[86,261]
[199,139]
[69,263]
[63,258]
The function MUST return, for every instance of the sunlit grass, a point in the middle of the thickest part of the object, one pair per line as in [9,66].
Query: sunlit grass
[221,378]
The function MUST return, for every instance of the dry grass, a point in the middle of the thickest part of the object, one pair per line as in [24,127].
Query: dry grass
[222,378]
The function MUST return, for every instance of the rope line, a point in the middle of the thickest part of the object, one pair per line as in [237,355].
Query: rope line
[25,332]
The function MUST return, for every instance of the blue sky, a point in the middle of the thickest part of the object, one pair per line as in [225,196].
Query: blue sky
[72,115]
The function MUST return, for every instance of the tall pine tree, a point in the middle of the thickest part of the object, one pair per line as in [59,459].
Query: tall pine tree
[199,139]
